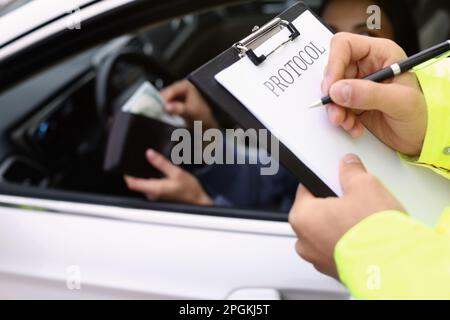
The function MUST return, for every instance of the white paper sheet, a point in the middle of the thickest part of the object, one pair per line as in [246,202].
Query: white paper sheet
[309,134]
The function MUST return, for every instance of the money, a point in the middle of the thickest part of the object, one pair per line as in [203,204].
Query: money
[147,102]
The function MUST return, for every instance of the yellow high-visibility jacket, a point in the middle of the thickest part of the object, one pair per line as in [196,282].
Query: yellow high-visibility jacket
[389,255]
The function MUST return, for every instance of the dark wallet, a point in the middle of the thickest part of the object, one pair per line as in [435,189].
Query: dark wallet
[131,135]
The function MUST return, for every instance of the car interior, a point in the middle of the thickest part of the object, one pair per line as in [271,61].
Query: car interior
[54,125]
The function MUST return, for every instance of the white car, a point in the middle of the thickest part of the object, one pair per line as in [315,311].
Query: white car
[68,230]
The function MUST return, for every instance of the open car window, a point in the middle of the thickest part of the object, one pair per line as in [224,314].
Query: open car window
[52,146]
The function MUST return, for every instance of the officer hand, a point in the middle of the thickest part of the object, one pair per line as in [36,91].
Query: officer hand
[184,100]
[320,223]
[395,111]
[178,185]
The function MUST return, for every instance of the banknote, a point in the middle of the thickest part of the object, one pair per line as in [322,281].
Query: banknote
[147,102]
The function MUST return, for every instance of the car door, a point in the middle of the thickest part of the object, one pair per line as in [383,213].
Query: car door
[59,249]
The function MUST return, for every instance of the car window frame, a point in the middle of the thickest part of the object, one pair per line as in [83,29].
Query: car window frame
[138,14]
[41,48]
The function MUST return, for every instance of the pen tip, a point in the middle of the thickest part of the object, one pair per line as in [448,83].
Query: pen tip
[316,105]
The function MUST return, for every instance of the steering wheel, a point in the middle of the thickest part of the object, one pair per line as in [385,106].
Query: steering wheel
[111,90]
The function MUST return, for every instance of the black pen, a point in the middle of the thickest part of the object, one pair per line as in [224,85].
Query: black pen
[398,68]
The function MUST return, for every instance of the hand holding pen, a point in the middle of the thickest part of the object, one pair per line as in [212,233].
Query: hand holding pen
[395,110]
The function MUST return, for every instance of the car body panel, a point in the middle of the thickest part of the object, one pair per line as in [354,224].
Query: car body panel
[58,25]
[129,253]
[34,14]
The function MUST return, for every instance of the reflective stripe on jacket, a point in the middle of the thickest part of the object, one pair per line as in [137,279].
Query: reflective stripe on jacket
[390,255]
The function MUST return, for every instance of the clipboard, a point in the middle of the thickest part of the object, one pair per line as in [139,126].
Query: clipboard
[217,96]
[310,147]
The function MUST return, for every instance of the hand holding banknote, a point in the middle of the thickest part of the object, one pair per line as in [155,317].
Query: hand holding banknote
[184,100]
[179,101]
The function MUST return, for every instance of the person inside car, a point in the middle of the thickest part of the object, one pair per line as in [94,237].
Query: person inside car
[237,185]
[397,21]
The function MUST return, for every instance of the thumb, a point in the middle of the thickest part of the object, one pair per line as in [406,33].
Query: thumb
[351,166]
[161,163]
[392,99]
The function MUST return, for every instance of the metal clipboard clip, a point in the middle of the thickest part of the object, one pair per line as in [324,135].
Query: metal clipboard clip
[246,46]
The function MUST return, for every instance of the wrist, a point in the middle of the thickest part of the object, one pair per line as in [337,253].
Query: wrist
[434,151]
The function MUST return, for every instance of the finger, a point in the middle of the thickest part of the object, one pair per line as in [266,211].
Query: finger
[303,193]
[344,49]
[353,125]
[305,251]
[135,184]
[175,90]
[177,108]
[358,130]
[158,189]
[150,187]
[351,166]
[336,114]
[339,116]
[393,99]
[349,122]
[162,164]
